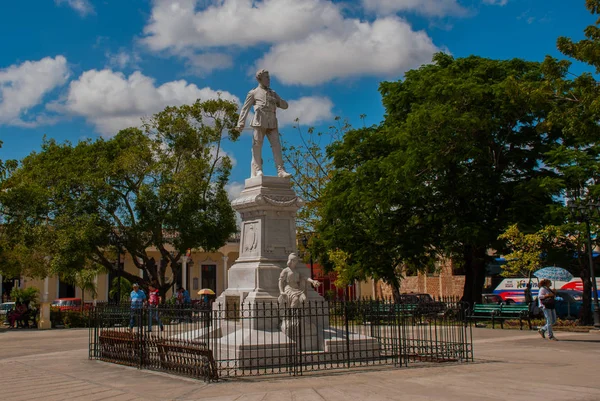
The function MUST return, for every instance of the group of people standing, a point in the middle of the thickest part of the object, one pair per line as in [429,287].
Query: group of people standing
[139,299]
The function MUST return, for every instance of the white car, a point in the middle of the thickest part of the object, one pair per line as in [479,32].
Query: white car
[6,307]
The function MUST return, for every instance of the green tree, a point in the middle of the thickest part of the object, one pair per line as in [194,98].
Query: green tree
[6,167]
[120,286]
[311,168]
[575,155]
[85,280]
[162,188]
[29,295]
[457,159]
[529,252]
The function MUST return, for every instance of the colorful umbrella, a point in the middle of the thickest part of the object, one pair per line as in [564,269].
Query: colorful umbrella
[206,291]
[554,273]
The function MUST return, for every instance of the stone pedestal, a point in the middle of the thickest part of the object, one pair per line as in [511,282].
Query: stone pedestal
[44,321]
[268,207]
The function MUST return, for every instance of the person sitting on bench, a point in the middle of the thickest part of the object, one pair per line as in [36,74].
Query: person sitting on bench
[17,314]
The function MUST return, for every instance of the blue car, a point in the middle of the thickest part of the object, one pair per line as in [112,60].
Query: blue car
[570,305]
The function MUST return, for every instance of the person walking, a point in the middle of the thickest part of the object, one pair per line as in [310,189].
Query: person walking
[546,302]
[154,299]
[137,298]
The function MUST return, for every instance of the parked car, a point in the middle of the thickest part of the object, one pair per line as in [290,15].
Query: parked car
[492,299]
[426,303]
[568,307]
[6,307]
[64,304]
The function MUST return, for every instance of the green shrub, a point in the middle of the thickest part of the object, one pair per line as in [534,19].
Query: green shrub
[29,295]
[69,319]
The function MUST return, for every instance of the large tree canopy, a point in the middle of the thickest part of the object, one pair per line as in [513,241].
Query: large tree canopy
[457,159]
[160,187]
[576,157]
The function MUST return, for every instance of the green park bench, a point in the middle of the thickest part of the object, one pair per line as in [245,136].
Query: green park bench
[513,311]
[387,313]
[485,312]
[501,313]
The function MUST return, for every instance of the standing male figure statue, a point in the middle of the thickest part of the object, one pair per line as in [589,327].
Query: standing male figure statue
[265,102]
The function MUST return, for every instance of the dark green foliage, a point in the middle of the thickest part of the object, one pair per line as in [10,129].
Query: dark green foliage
[457,159]
[161,188]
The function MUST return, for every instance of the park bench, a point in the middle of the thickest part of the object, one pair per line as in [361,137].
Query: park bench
[119,346]
[387,313]
[501,313]
[485,312]
[182,357]
[513,311]
[188,358]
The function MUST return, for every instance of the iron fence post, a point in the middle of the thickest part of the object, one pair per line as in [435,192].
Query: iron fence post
[347,333]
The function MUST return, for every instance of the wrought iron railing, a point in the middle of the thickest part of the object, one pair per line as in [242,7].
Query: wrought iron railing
[270,339]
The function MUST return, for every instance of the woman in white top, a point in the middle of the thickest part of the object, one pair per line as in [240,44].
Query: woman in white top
[544,295]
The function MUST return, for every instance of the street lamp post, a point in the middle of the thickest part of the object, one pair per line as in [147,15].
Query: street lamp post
[583,213]
[305,244]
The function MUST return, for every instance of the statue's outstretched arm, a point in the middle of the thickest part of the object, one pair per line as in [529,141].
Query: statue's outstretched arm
[282,104]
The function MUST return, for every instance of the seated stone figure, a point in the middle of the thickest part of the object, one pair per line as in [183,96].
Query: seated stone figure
[292,284]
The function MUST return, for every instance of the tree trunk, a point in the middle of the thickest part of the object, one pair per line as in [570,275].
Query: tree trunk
[474,260]
[586,317]
[396,291]
[162,290]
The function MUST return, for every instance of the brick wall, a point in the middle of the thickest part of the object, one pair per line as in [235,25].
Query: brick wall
[443,284]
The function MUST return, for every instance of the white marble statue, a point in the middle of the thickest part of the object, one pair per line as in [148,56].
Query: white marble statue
[265,102]
[292,284]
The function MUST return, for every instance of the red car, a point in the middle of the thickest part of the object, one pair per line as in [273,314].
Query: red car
[64,304]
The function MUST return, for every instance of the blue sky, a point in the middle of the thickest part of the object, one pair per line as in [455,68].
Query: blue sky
[73,69]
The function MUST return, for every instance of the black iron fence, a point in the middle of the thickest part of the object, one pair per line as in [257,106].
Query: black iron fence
[269,339]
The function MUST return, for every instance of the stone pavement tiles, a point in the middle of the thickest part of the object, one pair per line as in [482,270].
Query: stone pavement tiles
[510,364]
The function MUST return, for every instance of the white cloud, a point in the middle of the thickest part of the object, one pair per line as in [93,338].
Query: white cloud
[83,7]
[234,189]
[203,63]
[111,101]
[123,59]
[23,86]
[433,8]
[386,47]
[183,23]
[496,2]
[309,110]
[316,28]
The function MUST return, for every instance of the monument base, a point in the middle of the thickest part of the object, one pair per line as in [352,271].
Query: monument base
[253,349]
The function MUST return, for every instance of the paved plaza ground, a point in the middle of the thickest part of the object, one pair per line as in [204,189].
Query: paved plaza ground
[510,364]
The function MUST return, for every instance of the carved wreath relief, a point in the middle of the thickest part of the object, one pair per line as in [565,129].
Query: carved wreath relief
[250,237]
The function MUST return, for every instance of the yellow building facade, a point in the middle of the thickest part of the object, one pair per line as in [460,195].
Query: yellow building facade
[201,270]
